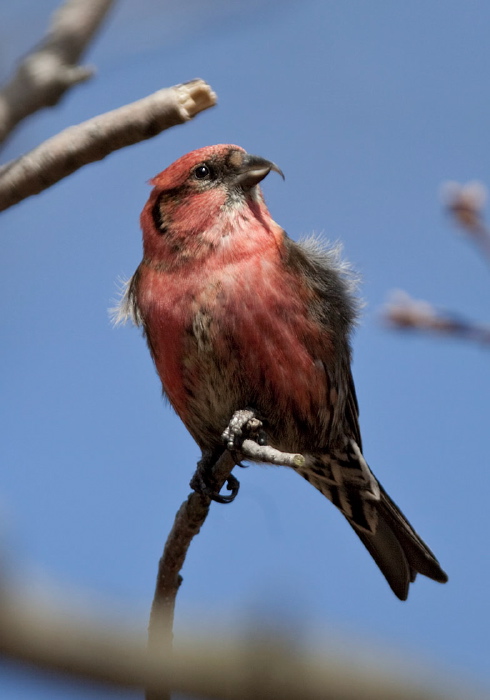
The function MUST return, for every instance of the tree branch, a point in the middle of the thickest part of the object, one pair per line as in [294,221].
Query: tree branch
[193,513]
[191,517]
[94,139]
[53,640]
[263,453]
[465,204]
[45,74]
[188,522]
[405,313]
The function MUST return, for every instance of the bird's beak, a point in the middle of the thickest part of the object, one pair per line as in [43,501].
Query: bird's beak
[253,169]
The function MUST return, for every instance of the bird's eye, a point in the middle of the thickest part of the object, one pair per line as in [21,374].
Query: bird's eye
[202,172]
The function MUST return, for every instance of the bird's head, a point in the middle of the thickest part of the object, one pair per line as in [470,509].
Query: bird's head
[201,198]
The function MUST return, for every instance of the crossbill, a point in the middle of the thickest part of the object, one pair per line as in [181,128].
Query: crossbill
[237,315]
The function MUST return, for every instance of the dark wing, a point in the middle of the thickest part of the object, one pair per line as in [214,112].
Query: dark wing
[352,412]
[334,306]
[343,475]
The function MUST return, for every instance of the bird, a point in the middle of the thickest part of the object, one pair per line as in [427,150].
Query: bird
[238,316]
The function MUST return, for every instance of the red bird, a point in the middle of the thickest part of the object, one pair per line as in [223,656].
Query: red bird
[239,316]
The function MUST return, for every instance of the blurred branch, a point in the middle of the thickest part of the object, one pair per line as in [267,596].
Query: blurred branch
[405,313]
[51,69]
[94,139]
[226,668]
[465,204]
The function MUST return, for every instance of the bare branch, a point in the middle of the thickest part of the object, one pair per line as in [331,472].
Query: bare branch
[465,204]
[224,668]
[188,522]
[249,449]
[245,435]
[404,313]
[190,518]
[209,478]
[94,139]
[44,75]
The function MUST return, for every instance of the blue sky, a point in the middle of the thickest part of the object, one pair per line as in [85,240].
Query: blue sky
[367,108]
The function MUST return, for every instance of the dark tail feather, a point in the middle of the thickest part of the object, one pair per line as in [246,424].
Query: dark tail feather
[398,550]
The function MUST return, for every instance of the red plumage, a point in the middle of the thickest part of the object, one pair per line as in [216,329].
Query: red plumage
[239,316]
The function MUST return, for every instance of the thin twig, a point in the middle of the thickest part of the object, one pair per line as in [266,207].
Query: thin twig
[94,139]
[51,69]
[187,524]
[249,449]
[193,512]
[245,434]
[465,204]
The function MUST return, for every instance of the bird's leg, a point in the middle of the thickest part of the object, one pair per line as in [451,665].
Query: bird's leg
[203,480]
[243,425]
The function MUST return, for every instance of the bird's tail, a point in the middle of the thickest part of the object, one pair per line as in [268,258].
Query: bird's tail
[397,549]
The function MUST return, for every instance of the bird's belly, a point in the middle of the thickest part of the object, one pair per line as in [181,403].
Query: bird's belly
[231,343]
[256,360]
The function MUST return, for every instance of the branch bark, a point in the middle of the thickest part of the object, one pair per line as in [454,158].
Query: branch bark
[94,139]
[193,513]
[263,453]
[188,522]
[45,74]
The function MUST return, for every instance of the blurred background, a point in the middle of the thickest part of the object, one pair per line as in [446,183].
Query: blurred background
[367,108]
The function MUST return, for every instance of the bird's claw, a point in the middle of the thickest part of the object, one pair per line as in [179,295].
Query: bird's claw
[233,485]
[243,424]
[199,485]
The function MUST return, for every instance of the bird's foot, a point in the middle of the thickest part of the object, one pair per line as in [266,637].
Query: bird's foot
[243,424]
[202,481]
